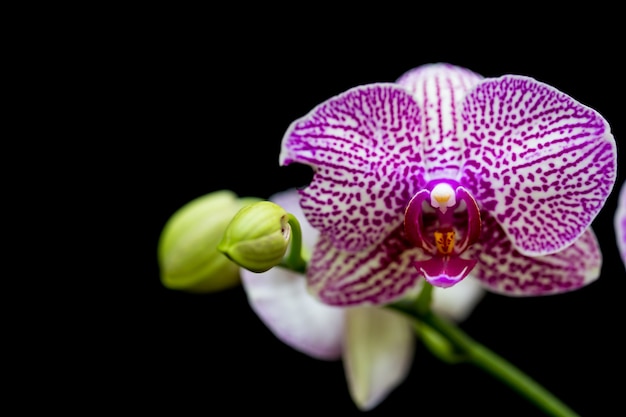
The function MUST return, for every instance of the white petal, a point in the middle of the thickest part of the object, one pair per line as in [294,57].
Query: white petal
[378,352]
[280,298]
[458,301]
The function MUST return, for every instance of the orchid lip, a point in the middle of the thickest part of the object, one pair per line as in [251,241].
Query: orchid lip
[446,267]
[445,272]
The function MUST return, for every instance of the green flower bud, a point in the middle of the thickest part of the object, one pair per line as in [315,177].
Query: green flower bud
[257,237]
[187,250]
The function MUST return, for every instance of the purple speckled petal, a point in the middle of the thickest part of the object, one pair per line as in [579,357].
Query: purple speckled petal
[502,269]
[439,90]
[538,160]
[364,148]
[379,349]
[375,276]
[620,223]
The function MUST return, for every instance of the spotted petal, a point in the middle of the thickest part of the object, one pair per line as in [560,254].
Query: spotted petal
[503,269]
[620,223]
[541,162]
[378,275]
[439,90]
[379,349]
[364,148]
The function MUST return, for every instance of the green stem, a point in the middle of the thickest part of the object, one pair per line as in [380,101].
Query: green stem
[422,303]
[489,361]
[294,260]
[492,363]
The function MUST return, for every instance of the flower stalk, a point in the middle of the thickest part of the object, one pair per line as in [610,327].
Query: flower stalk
[294,260]
[482,357]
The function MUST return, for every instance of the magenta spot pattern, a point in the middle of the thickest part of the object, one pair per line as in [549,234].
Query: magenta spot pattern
[366,151]
[503,269]
[541,162]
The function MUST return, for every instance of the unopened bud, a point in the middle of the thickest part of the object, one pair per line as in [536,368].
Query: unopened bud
[187,251]
[257,237]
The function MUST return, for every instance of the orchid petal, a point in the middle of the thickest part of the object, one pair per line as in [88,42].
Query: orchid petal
[541,162]
[502,269]
[379,349]
[280,298]
[375,276]
[457,302]
[364,148]
[620,223]
[439,90]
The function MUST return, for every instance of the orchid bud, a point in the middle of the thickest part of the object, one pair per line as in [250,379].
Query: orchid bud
[257,237]
[187,250]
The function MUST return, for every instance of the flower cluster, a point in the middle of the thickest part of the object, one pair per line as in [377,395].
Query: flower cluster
[432,189]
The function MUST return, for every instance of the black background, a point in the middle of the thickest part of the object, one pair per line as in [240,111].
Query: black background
[201,106]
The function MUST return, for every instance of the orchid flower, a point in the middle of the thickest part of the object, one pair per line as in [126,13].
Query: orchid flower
[620,223]
[446,174]
[376,344]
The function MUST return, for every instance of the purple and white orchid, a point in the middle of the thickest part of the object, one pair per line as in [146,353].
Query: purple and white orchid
[620,223]
[375,344]
[446,174]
